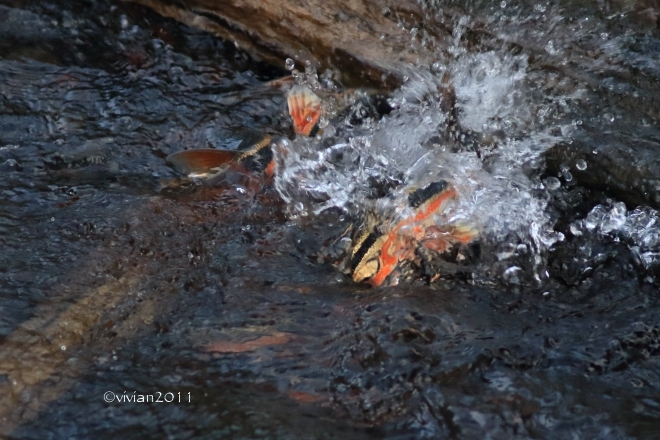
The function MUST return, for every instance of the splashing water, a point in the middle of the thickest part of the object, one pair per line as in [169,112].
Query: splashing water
[409,149]
[639,228]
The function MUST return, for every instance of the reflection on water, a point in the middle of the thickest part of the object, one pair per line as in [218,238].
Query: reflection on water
[111,283]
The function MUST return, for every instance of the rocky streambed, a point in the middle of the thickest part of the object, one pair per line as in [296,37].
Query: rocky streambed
[117,283]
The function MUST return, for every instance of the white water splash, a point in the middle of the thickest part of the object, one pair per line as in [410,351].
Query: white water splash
[498,194]
[639,227]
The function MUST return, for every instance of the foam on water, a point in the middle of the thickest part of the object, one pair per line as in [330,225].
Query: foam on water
[639,228]
[500,191]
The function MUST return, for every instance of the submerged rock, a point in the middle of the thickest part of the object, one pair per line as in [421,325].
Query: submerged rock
[629,172]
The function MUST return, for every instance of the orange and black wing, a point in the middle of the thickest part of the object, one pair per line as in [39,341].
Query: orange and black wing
[201,162]
[304,108]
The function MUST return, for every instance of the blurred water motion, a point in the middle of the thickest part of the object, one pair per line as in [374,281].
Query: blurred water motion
[114,279]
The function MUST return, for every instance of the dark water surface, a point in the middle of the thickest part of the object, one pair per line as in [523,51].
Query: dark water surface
[109,283]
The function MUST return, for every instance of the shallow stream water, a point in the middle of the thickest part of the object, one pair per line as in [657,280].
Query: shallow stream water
[117,275]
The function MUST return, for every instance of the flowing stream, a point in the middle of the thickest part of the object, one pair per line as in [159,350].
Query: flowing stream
[118,275]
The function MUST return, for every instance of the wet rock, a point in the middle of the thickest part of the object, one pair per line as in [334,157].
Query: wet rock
[312,31]
[627,171]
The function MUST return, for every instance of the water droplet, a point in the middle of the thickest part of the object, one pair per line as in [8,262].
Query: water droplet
[297,76]
[615,219]
[594,217]
[568,176]
[552,183]
[504,255]
[619,209]
[581,164]
[503,5]
[310,71]
[575,229]
[550,48]
[512,275]
[437,67]
[63,348]
[289,64]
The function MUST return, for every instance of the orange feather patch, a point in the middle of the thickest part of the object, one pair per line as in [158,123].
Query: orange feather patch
[400,242]
[304,108]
